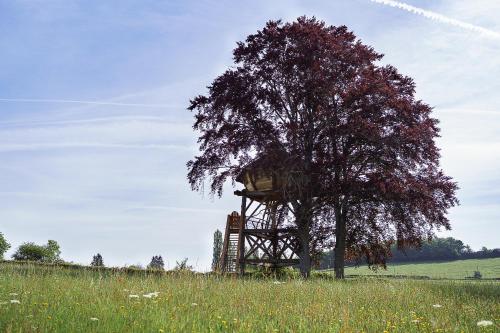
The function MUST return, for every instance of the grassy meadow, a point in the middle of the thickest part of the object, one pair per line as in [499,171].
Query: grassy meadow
[457,269]
[35,298]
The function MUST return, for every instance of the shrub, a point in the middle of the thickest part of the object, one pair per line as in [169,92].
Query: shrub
[137,267]
[4,246]
[183,265]
[477,275]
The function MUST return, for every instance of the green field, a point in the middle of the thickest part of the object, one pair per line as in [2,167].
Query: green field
[54,299]
[458,269]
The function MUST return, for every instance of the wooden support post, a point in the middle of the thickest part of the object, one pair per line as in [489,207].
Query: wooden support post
[274,232]
[240,261]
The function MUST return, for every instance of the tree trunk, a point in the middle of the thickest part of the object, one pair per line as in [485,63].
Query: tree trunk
[305,255]
[340,240]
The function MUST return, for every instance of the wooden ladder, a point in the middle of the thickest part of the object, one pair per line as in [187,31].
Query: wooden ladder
[228,262]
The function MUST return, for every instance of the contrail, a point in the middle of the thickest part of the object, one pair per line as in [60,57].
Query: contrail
[32,100]
[439,17]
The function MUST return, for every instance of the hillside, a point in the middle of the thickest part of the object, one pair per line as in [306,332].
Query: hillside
[457,269]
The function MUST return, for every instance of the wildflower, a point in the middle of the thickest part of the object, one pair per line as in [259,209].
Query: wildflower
[437,306]
[15,301]
[133,296]
[484,323]
[13,294]
[278,282]
[94,319]
[194,304]
[416,321]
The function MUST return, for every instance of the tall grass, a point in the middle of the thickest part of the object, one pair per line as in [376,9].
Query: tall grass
[58,299]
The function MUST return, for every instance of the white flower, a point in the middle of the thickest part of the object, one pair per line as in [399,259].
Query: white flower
[437,306]
[15,301]
[13,294]
[484,323]
[415,321]
[126,290]
[133,296]
[194,304]
[153,294]
[278,282]
[94,319]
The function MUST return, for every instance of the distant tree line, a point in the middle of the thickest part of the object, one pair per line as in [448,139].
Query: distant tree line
[438,249]
[50,253]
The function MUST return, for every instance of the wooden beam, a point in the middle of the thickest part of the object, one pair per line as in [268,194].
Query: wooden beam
[240,263]
[273,261]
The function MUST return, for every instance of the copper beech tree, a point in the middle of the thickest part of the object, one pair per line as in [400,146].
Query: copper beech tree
[348,131]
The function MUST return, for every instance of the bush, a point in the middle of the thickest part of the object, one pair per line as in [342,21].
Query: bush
[4,246]
[136,267]
[33,252]
[183,265]
[97,261]
[477,275]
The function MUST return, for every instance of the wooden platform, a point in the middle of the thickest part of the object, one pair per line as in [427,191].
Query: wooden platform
[256,237]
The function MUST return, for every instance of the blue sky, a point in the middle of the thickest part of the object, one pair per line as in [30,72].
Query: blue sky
[110,177]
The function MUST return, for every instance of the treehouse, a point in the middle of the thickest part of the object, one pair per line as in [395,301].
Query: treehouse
[264,179]
[258,234]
